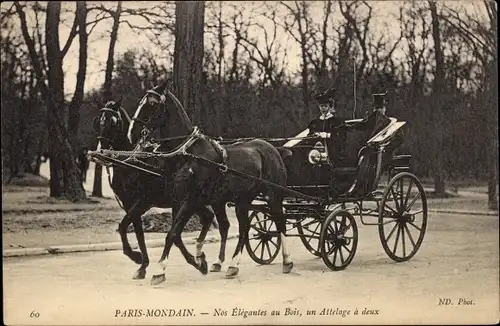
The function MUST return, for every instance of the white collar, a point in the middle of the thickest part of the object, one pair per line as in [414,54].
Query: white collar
[326,116]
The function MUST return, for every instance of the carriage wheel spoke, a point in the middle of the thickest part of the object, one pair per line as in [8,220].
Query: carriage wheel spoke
[416,227]
[392,209]
[397,239]
[334,254]
[392,220]
[328,248]
[395,199]
[257,247]
[417,212]
[262,250]
[342,261]
[408,193]
[347,249]
[268,249]
[409,235]
[392,231]
[413,202]
[403,239]
[315,232]
[274,243]
[401,183]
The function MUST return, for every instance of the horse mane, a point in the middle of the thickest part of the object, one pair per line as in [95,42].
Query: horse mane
[124,112]
[162,88]
[179,106]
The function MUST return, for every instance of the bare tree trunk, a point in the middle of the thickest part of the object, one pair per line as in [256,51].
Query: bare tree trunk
[188,57]
[74,108]
[493,131]
[440,103]
[64,176]
[220,109]
[97,187]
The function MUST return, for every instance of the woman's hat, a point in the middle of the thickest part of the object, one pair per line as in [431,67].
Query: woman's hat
[325,97]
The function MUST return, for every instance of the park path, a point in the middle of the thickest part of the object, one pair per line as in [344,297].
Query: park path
[458,260]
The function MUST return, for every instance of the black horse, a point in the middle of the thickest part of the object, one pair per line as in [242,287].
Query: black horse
[139,191]
[200,183]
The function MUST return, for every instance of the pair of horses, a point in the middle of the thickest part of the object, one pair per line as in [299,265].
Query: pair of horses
[190,186]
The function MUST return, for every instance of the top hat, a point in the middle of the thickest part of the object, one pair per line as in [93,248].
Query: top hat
[379,100]
[325,97]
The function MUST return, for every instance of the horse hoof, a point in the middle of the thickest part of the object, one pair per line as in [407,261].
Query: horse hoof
[204,266]
[232,272]
[287,268]
[216,267]
[158,279]
[136,257]
[140,274]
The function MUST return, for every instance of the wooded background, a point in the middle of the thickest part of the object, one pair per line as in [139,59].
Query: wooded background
[230,62]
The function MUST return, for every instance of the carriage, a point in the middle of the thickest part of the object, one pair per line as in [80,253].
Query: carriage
[323,214]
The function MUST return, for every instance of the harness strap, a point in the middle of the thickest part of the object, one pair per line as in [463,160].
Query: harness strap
[116,197]
[247,176]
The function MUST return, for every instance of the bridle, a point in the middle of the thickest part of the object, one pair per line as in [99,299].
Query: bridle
[96,123]
[147,128]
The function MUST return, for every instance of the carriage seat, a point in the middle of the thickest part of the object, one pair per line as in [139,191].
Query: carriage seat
[363,178]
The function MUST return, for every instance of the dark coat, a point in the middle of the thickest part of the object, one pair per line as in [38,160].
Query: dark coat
[336,142]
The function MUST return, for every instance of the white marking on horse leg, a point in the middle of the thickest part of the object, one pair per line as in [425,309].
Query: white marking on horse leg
[161,267]
[235,262]
[199,251]
[217,262]
[284,249]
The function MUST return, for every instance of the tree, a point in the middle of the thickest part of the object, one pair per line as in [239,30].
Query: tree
[439,100]
[64,177]
[97,187]
[481,35]
[188,55]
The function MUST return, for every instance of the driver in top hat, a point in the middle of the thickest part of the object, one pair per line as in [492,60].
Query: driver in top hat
[326,126]
[376,122]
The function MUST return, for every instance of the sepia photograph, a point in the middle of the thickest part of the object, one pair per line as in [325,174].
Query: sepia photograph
[250,162]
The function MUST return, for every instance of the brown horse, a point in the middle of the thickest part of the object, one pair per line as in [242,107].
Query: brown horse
[138,191]
[198,182]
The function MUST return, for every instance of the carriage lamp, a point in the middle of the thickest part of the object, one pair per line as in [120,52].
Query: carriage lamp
[318,154]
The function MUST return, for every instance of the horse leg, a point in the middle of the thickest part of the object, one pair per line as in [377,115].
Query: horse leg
[242,215]
[180,220]
[220,214]
[139,233]
[275,205]
[122,229]
[206,219]
[199,262]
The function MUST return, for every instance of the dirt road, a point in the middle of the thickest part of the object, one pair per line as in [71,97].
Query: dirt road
[457,262]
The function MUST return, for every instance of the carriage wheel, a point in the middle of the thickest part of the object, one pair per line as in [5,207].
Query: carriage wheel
[309,230]
[263,242]
[339,240]
[402,217]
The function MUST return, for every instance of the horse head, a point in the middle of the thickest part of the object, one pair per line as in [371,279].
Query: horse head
[111,125]
[159,109]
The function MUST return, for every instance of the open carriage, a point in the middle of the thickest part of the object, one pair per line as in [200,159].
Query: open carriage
[324,220]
